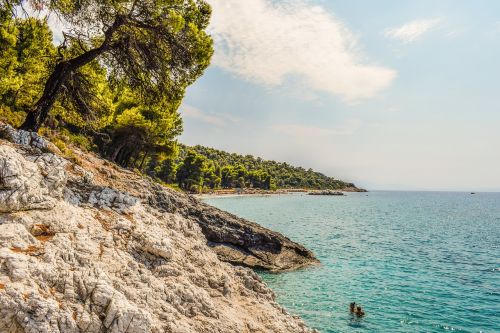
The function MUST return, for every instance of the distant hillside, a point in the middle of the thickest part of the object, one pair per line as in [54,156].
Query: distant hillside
[230,170]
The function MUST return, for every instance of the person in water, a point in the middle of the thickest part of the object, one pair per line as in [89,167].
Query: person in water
[359,311]
[356,309]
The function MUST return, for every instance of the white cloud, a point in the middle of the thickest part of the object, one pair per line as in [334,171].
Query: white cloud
[413,30]
[216,119]
[266,42]
[301,131]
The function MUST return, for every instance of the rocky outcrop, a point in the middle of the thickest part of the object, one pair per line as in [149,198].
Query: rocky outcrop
[326,192]
[90,247]
[234,239]
[352,188]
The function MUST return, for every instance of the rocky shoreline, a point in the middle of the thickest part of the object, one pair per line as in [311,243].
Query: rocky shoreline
[86,246]
[326,192]
[255,192]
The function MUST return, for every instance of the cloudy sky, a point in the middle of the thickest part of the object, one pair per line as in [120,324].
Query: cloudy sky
[387,94]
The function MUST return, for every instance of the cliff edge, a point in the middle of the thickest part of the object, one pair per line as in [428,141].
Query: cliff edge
[90,247]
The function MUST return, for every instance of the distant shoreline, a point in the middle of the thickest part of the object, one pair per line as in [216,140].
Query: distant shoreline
[260,192]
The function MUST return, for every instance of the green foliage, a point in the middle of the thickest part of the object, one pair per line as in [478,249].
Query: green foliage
[155,48]
[98,106]
[240,171]
[191,172]
[86,100]
[10,117]
[26,56]
[199,169]
[167,170]
[35,55]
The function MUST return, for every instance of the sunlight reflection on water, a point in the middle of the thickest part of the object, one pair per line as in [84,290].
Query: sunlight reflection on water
[416,261]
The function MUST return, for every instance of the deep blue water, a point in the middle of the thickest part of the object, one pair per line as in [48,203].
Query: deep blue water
[416,261]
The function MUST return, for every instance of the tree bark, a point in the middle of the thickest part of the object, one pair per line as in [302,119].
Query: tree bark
[118,153]
[37,115]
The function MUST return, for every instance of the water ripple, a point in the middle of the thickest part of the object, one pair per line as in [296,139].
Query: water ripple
[418,262]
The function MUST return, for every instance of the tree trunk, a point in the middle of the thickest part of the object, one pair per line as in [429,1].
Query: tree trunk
[143,159]
[37,115]
[114,156]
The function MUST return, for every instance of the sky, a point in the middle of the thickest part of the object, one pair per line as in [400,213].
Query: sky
[388,94]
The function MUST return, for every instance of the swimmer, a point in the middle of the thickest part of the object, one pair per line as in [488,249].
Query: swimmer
[359,311]
[352,307]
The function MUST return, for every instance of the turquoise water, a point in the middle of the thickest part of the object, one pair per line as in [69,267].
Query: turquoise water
[416,261]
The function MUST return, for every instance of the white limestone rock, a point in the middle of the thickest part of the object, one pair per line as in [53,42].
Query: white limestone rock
[22,137]
[110,198]
[29,182]
[79,256]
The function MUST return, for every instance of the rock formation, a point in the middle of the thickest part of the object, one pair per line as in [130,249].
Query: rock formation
[89,247]
[326,192]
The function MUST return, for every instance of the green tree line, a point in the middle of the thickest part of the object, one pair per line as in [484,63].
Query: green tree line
[200,169]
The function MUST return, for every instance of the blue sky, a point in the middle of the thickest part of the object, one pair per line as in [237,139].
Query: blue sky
[387,94]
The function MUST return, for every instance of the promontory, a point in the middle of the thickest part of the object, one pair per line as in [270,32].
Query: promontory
[86,246]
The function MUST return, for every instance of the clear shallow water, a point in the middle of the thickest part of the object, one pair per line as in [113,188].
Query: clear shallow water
[416,261]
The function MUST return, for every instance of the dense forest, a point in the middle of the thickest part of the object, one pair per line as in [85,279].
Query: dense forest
[114,84]
[209,168]
[201,169]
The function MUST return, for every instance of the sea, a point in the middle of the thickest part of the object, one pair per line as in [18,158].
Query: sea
[415,261]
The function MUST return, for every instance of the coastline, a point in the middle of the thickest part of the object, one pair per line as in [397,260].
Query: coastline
[250,192]
[260,192]
[126,239]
